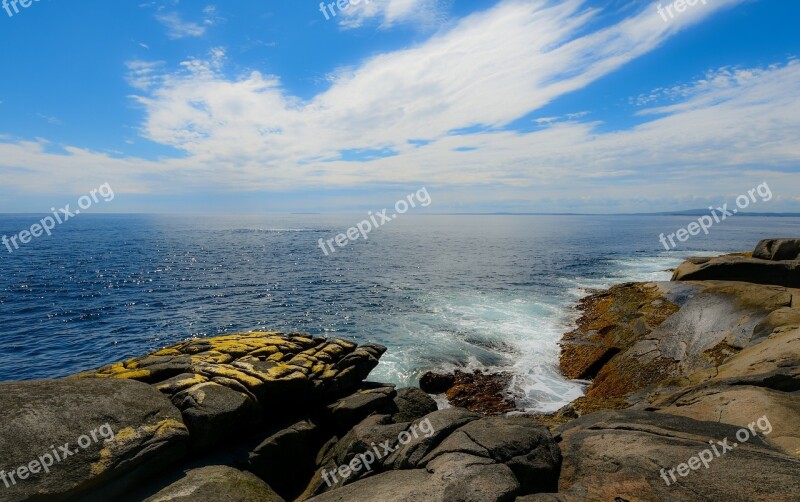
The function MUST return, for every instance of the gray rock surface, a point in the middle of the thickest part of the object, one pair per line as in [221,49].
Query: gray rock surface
[350,410]
[215,412]
[45,415]
[286,458]
[412,403]
[442,423]
[217,483]
[469,459]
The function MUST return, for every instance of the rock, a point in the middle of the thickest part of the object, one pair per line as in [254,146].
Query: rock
[412,403]
[461,478]
[217,483]
[441,423]
[395,485]
[778,249]
[785,318]
[733,402]
[487,394]
[350,410]
[518,442]
[373,431]
[774,363]
[286,458]
[544,497]
[148,437]
[612,321]
[214,412]
[619,455]
[230,379]
[495,458]
[740,268]
[436,383]
[361,440]
[710,328]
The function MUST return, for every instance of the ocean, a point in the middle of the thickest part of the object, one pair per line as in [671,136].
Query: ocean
[489,292]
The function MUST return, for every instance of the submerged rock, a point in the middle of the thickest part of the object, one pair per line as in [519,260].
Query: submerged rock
[486,393]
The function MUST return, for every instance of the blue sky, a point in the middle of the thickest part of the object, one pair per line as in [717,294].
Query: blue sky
[543,106]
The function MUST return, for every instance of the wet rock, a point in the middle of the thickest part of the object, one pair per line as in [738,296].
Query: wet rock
[148,437]
[482,393]
[611,322]
[711,327]
[219,484]
[436,383]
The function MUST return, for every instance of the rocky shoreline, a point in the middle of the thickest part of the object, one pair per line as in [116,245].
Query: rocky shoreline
[675,368]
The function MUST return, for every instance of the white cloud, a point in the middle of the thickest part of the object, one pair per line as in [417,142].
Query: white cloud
[489,70]
[388,13]
[143,75]
[179,28]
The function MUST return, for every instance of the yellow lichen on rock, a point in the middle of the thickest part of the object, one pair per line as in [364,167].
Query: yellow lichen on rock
[132,375]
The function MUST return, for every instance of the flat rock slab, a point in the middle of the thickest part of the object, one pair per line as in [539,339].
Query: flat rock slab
[138,433]
[739,404]
[619,455]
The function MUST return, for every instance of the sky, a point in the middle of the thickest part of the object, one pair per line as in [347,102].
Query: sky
[512,106]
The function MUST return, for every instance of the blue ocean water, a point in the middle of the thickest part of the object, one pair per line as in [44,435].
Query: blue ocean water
[439,291]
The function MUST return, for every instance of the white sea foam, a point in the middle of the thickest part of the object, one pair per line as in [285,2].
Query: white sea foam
[517,332]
